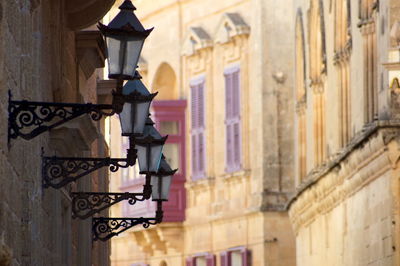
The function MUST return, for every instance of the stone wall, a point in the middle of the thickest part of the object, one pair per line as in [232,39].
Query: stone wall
[345,211]
[38,62]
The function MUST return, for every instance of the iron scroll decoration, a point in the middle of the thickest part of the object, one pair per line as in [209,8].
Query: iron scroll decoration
[104,228]
[29,119]
[59,171]
[86,204]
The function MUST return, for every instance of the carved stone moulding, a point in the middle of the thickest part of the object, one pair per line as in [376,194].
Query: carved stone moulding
[82,14]
[196,39]
[160,238]
[91,51]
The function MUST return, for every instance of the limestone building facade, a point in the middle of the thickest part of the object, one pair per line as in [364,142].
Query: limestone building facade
[346,207]
[48,54]
[224,75]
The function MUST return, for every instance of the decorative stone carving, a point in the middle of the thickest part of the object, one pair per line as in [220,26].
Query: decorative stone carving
[359,165]
[82,14]
[104,90]
[91,52]
[395,33]
[231,25]
[164,236]
[395,98]
[196,39]
[75,136]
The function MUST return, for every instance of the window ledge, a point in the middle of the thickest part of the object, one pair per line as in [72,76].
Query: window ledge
[236,174]
[201,183]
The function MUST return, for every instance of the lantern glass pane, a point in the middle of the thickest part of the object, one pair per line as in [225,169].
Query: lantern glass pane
[166,186]
[155,187]
[116,49]
[142,157]
[125,117]
[133,49]
[155,157]
[160,187]
[141,114]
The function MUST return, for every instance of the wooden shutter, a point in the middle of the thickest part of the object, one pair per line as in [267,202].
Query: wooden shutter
[198,129]
[225,259]
[190,261]
[246,257]
[232,120]
[211,260]
[201,129]
[194,127]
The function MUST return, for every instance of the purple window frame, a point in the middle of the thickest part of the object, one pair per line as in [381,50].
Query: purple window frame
[211,259]
[226,259]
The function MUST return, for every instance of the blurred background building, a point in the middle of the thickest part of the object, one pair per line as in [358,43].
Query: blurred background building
[224,75]
[346,207]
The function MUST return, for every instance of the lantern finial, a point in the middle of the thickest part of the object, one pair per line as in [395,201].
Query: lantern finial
[127,5]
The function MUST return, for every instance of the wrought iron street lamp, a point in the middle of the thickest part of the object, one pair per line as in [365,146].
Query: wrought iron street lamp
[149,148]
[125,36]
[161,181]
[136,107]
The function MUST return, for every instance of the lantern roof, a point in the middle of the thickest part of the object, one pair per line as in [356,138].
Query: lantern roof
[125,22]
[165,169]
[135,85]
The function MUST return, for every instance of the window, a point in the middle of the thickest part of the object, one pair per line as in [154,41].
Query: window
[198,128]
[201,259]
[239,256]
[232,119]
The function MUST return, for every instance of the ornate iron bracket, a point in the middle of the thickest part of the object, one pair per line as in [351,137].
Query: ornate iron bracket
[59,171]
[105,228]
[85,204]
[29,119]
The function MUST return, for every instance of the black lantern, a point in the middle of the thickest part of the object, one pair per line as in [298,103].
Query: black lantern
[161,181]
[125,36]
[136,107]
[149,148]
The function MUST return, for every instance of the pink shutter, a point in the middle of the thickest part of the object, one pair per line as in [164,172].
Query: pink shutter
[194,155]
[228,96]
[201,153]
[236,131]
[246,257]
[198,128]
[200,100]
[210,258]
[201,129]
[235,95]
[228,117]
[194,107]
[236,145]
[189,261]
[225,259]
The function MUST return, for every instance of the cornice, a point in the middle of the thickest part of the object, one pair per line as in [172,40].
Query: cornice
[342,176]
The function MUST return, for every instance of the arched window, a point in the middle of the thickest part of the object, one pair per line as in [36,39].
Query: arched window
[367,27]
[317,76]
[165,83]
[301,99]
[343,46]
